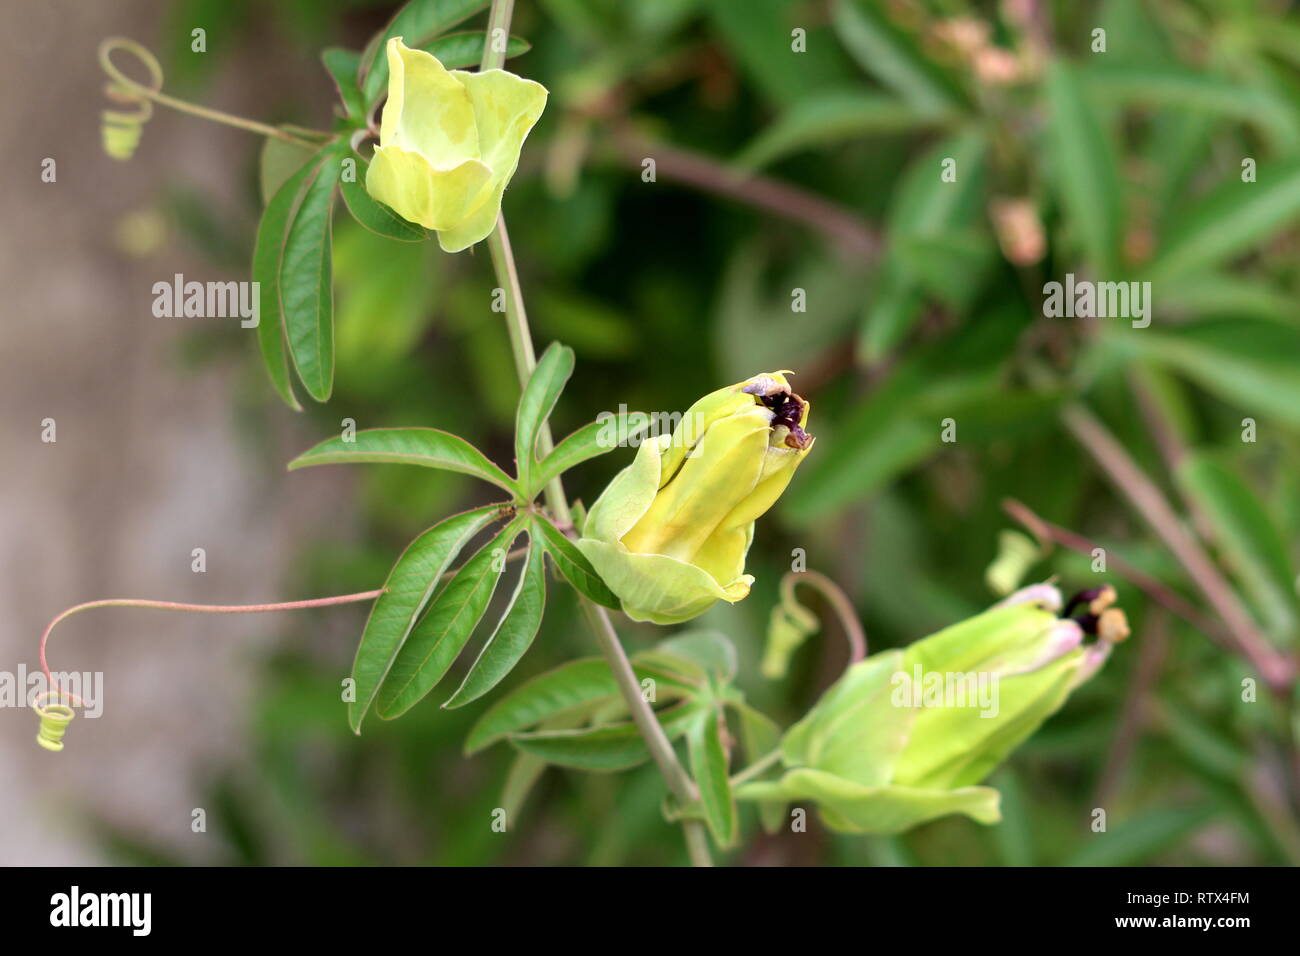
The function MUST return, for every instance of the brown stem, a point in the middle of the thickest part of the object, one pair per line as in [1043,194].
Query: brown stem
[849,233]
[1277,672]
[1167,598]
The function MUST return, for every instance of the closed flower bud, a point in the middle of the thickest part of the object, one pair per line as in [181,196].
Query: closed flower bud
[907,735]
[670,533]
[449,142]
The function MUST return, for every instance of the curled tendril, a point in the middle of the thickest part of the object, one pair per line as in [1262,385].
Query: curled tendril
[54,720]
[122,129]
[792,623]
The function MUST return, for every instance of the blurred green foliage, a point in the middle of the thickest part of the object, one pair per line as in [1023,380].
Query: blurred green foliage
[1118,165]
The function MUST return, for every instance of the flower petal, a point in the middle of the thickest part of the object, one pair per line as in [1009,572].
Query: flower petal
[434,198]
[657,588]
[628,496]
[712,481]
[428,109]
[506,107]
[852,808]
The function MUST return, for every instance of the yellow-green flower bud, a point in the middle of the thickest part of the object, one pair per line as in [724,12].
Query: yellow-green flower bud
[670,533]
[449,142]
[906,735]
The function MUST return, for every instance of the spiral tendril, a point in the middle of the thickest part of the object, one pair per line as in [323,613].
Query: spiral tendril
[54,722]
[122,129]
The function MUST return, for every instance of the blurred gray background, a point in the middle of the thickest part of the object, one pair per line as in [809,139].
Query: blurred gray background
[147,465]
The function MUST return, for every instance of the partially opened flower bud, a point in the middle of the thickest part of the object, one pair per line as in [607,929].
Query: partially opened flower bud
[670,533]
[906,735]
[449,143]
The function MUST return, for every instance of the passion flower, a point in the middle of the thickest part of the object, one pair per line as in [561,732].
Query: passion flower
[907,735]
[670,533]
[449,142]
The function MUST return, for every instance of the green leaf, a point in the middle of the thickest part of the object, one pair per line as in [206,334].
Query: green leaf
[603,435]
[342,67]
[1165,86]
[895,306]
[760,735]
[1244,362]
[535,406]
[456,51]
[892,56]
[1086,168]
[1247,536]
[278,160]
[572,686]
[409,586]
[1141,837]
[604,749]
[513,635]
[438,637]
[703,652]
[833,117]
[1230,221]
[757,34]
[525,769]
[709,768]
[573,564]
[418,23]
[929,211]
[267,253]
[306,281]
[428,447]
[374,215]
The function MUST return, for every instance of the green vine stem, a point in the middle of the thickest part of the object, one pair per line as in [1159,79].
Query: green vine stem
[661,750]
[122,88]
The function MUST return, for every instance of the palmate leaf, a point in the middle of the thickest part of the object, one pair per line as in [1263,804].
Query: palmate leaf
[572,687]
[428,447]
[609,747]
[456,51]
[603,435]
[418,23]
[267,256]
[342,67]
[374,215]
[573,564]
[410,584]
[514,632]
[535,406]
[307,280]
[442,632]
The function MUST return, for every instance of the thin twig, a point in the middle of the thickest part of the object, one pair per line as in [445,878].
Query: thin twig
[850,234]
[1277,672]
[1168,598]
